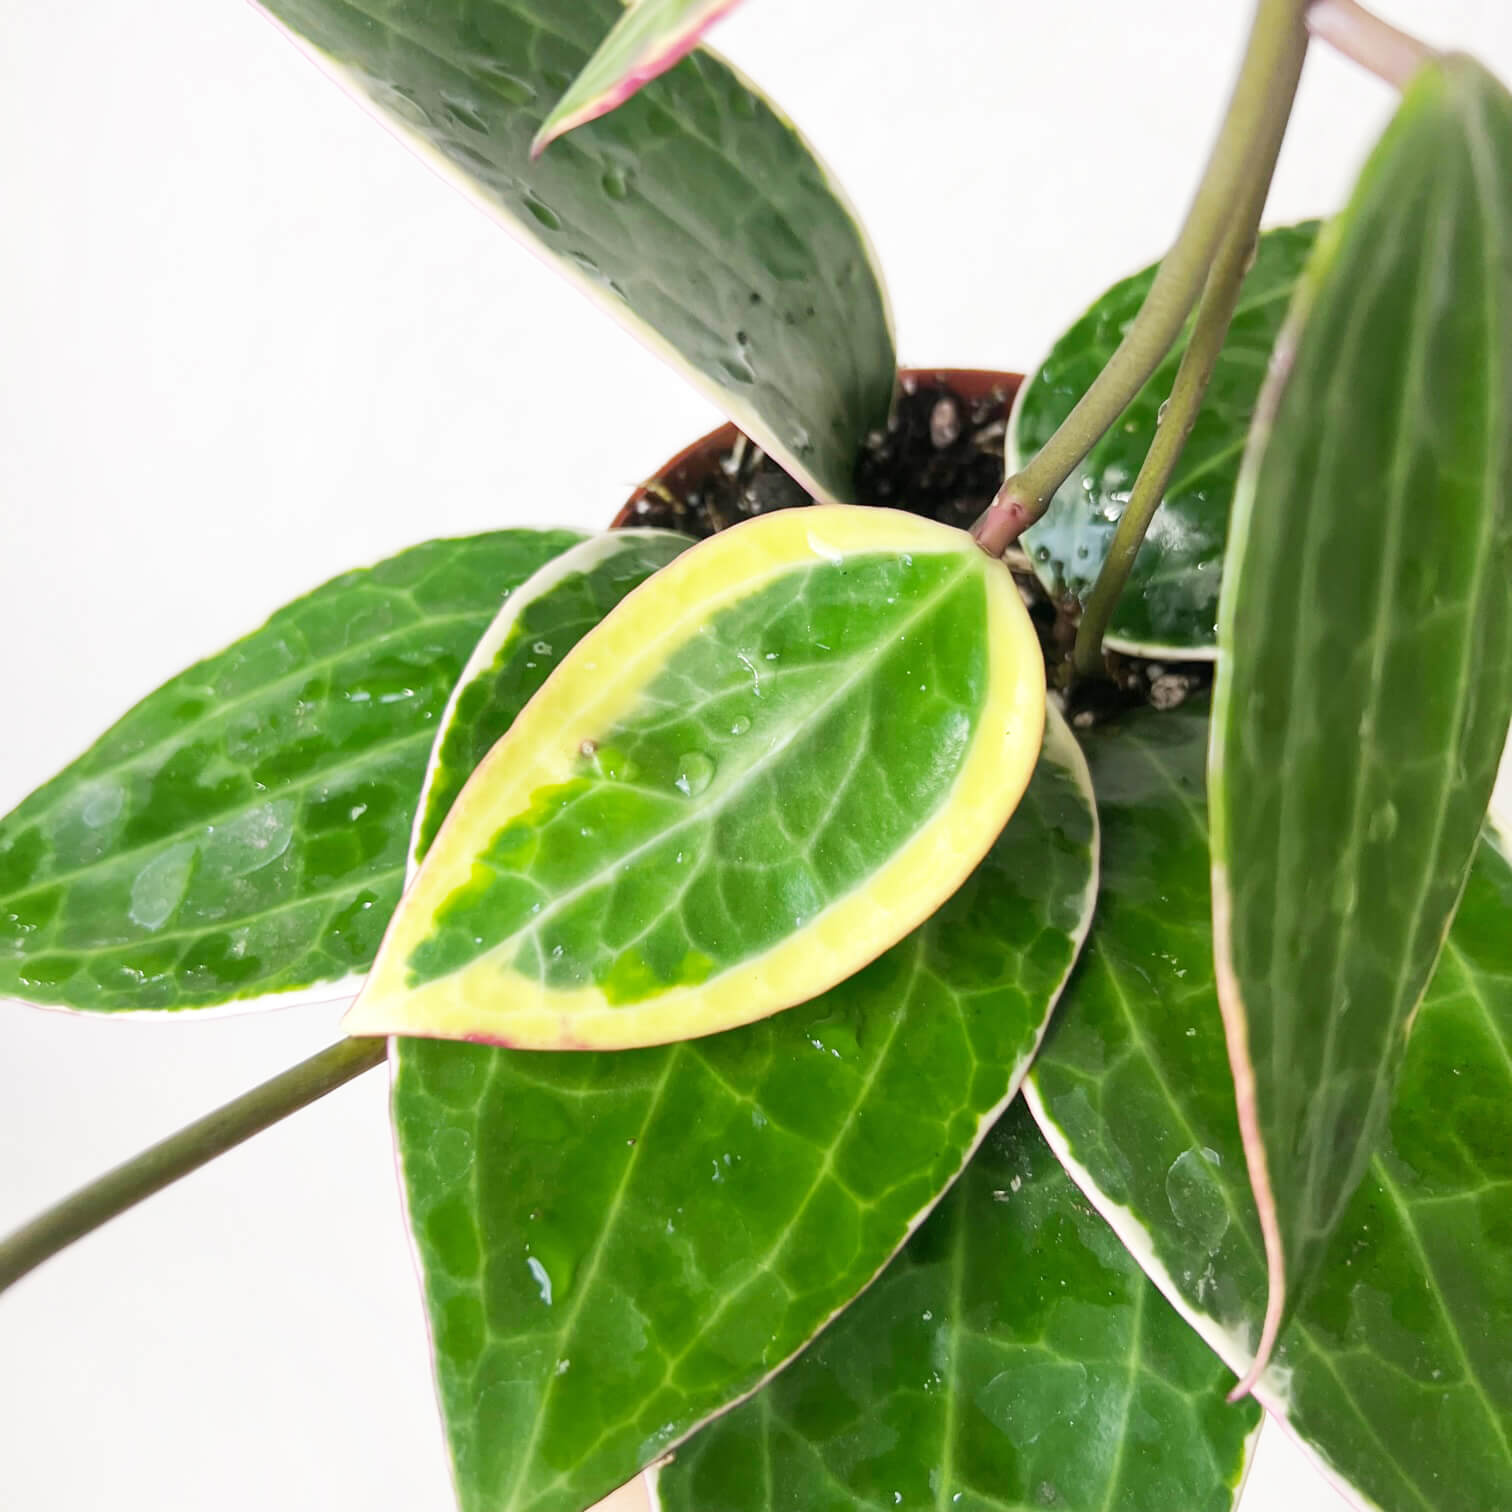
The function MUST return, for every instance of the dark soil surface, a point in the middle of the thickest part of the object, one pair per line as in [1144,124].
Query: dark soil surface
[941,456]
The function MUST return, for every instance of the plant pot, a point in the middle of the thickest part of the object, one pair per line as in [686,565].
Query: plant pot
[955,470]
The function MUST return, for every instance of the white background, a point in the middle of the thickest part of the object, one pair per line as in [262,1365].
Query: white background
[245,343]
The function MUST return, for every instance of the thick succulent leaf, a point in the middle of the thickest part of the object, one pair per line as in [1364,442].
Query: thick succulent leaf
[1394,1369]
[241,833]
[1170,608]
[1012,1357]
[1365,651]
[617,1246]
[695,214]
[646,41]
[539,624]
[758,773]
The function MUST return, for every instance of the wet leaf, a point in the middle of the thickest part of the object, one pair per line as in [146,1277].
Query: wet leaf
[1365,651]
[1011,1357]
[1170,608]
[539,624]
[757,774]
[616,1246]
[241,833]
[694,214]
[1394,1369]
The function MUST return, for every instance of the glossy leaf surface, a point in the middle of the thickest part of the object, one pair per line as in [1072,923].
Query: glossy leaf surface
[1011,1357]
[646,41]
[1170,607]
[242,831]
[617,1245]
[695,214]
[1365,666]
[1394,1370]
[757,774]
[539,624]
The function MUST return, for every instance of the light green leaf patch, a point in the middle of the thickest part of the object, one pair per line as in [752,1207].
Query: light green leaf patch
[1170,608]
[646,41]
[1393,1369]
[1012,1357]
[539,624]
[759,772]
[616,1246]
[241,833]
[1365,668]
[695,214]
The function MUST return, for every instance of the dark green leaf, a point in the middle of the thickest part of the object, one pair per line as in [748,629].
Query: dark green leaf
[1012,1357]
[1395,1369]
[1170,608]
[1365,670]
[695,213]
[242,831]
[617,1246]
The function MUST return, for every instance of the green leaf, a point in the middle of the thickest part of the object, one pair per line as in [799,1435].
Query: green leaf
[695,214]
[1364,679]
[242,831]
[616,1246]
[1394,1370]
[539,624]
[646,41]
[1170,608]
[757,774]
[1012,1357]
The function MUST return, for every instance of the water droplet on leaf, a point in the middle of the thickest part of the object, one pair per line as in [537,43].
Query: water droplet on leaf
[695,771]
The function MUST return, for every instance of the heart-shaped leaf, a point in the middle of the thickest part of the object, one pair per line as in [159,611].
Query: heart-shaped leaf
[1365,669]
[241,833]
[646,41]
[1012,1357]
[695,214]
[757,774]
[1394,1368]
[617,1246]
[1170,608]
[539,624]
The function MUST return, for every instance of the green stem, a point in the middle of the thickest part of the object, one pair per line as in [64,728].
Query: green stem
[1387,52]
[179,1154]
[1220,296]
[1272,63]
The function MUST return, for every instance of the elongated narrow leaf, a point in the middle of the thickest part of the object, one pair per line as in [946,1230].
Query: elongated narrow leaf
[241,833]
[646,41]
[759,772]
[1365,670]
[617,1246]
[1170,608]
[1013,1357]
[695,214]
[1394,1369]
[539,624]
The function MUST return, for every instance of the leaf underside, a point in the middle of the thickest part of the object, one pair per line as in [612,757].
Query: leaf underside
[646,41]
[1394,1369]
[616,1246]
[695,213]
[1365,674]
[242,831]
[1171,605]
[759,772]
[1011,1357]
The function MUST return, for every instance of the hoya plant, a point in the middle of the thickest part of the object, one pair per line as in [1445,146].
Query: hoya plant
[897,992]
